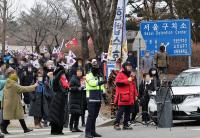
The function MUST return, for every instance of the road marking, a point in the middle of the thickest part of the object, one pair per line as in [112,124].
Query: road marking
[34,130]
[39,133]
[64,136]
[196,129]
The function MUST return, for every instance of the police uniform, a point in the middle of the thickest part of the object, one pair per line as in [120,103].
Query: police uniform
[94,91]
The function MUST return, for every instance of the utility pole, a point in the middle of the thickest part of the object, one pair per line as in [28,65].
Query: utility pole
[4,27]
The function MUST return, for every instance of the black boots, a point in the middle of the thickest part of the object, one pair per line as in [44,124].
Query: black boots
[4,131]
[23,124]
[88,135]
[73,125]
[96,135]
[76,130]
[4,126]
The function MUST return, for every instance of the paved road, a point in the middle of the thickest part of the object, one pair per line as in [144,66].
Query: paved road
[180,130]
[140,131]
[39,133]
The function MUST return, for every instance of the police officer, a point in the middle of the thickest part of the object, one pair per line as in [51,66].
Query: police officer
[95,91]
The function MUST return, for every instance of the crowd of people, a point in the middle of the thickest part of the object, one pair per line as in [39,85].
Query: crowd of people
[58,95]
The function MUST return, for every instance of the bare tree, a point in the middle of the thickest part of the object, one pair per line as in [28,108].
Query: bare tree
[46,24]
[6,14]
[99,16]
[152,9]
[59,24]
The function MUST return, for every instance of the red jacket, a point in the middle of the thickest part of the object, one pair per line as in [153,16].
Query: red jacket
[126,93]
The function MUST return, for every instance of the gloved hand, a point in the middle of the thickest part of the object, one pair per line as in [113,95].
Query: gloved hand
[105,99]
[80,88]
[102,82]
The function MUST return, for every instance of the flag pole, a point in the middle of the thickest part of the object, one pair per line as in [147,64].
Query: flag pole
[123,28]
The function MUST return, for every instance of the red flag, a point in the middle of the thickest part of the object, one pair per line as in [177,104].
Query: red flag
[90,42]
[74,42]
[68,45]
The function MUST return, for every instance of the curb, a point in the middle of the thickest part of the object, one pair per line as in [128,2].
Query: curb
[108,122]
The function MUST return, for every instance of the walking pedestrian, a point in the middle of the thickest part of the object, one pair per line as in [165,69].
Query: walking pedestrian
[12,106]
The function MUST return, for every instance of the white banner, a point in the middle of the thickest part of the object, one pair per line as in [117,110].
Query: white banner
[119,33]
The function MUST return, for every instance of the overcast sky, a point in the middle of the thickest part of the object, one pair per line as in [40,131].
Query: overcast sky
[26,3]
[23,5]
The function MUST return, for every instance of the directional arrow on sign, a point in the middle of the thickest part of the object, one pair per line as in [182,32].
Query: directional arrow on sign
[139,42]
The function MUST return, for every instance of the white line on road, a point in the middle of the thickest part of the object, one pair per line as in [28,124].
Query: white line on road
[71,136]
[34,130]
[196,129]
[19,135]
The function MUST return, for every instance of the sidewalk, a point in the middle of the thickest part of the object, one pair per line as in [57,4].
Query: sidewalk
[30,121]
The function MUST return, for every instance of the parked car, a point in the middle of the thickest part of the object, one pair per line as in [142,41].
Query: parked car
[185,96]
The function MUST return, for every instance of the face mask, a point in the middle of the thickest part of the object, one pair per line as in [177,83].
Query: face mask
[11,61]
[40,79]
[153,72]
[29,69]
[148,79]
[13,77]
[80,64]
[147,54]
[22,62]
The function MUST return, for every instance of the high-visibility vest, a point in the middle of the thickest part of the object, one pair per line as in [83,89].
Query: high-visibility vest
[92,84]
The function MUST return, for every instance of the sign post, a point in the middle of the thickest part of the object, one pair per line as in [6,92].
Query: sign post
[138,45]
[138,63]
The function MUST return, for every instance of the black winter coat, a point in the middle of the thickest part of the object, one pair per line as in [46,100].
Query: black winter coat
[39,103]
[76,97]
[57,106]
[26,79]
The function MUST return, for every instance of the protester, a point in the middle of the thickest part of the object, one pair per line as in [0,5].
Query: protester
[2,84]
[153,72]
[79,63]
[147,62]
[57,107]
[39,104]
[27,78]
[132,59]
[161,60]
[76,100]
[148,87]
[95,89]
[112,87]
[88,66]
[12,106]
[135,107]
[125,96]
[1,61]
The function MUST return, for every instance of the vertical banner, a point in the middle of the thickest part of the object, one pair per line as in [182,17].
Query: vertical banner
[118,42]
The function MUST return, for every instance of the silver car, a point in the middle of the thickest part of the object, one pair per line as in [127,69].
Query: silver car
[186,96]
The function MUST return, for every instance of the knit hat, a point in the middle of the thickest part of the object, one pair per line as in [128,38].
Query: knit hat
[9,71]
[127,63]
[94,63]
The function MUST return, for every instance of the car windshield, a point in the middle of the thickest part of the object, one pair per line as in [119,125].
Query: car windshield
[187,79]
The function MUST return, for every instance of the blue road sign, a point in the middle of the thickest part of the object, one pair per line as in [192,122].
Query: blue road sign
[174,34]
